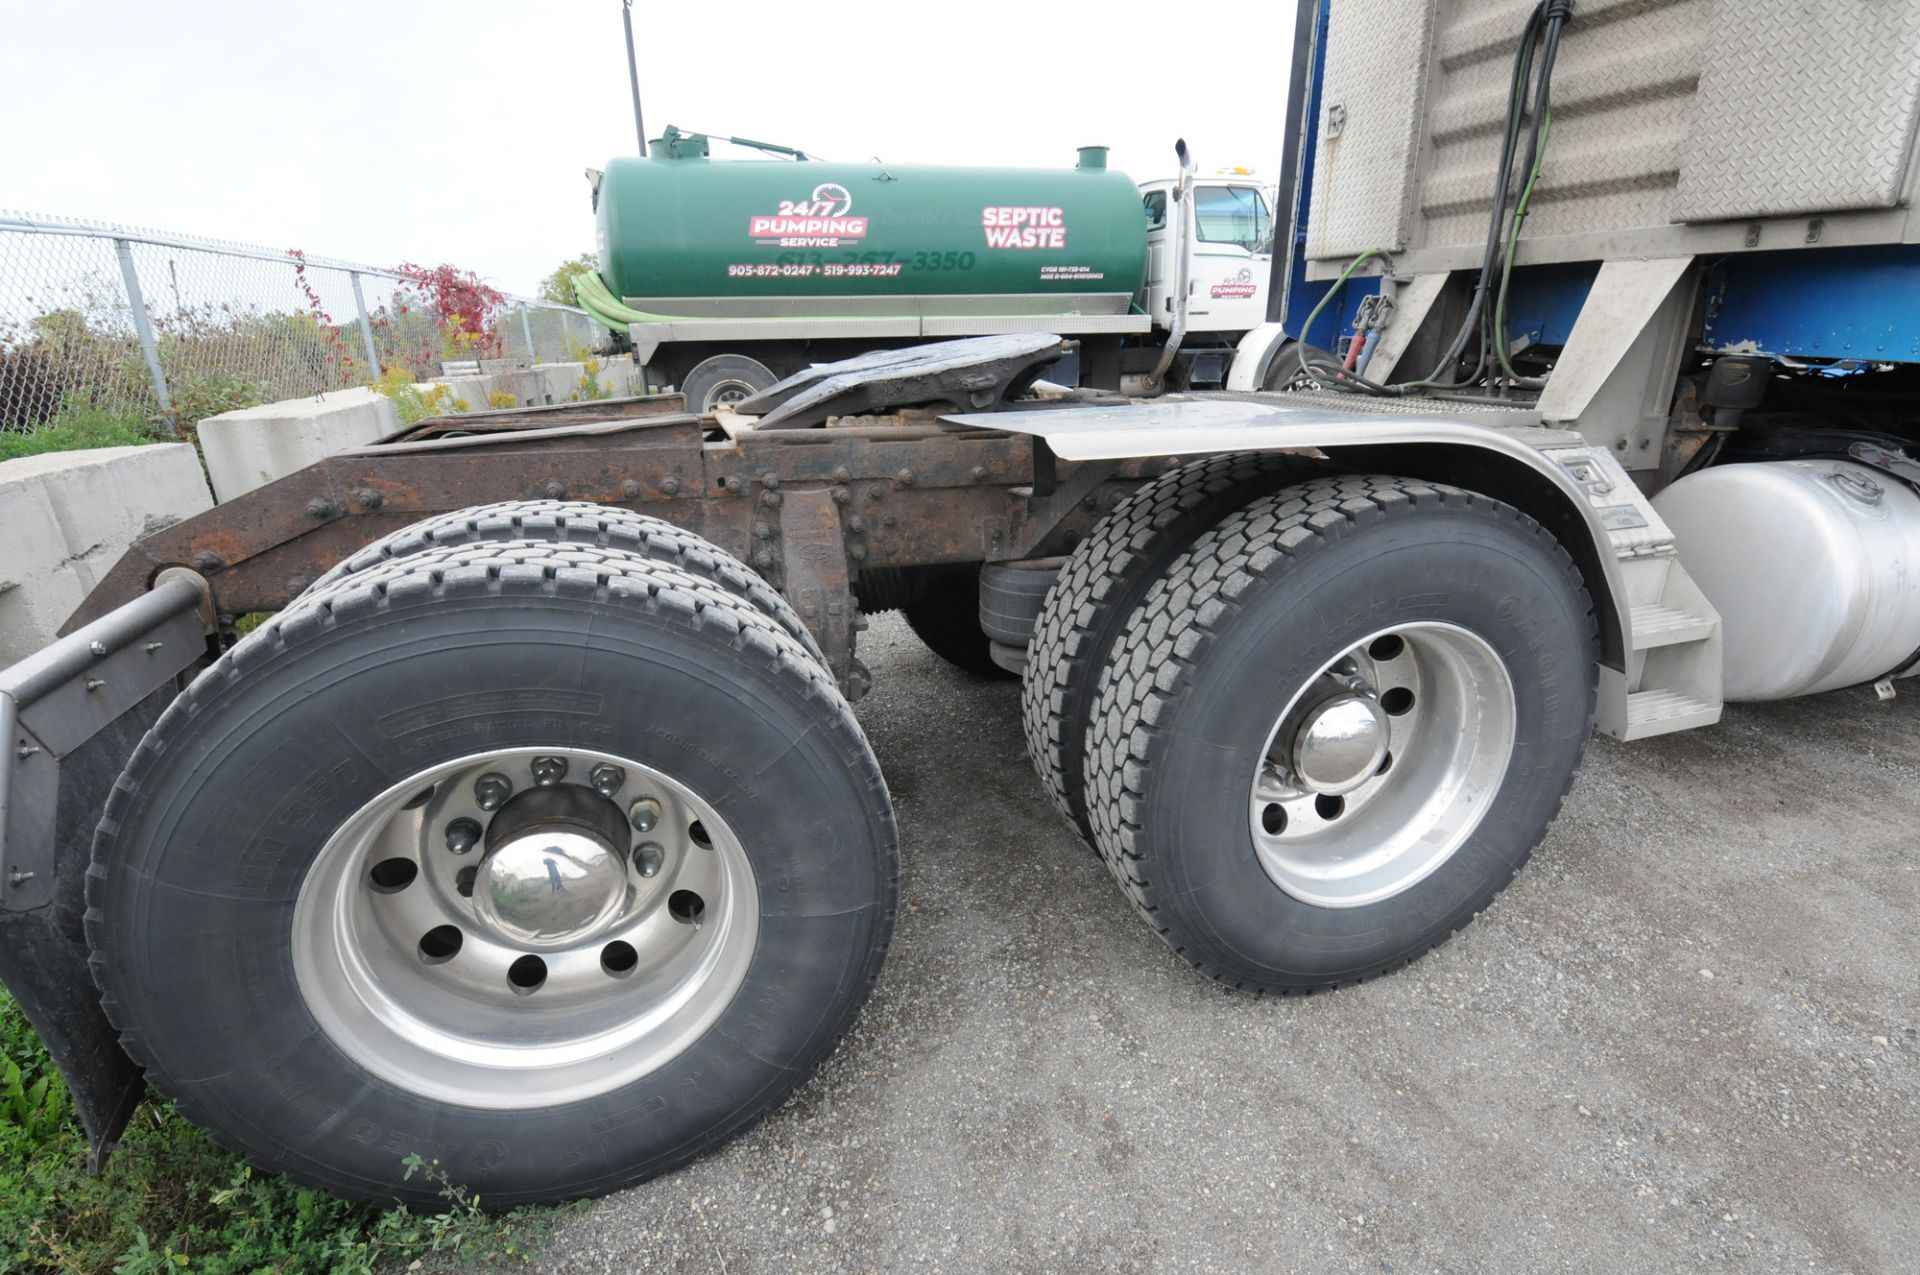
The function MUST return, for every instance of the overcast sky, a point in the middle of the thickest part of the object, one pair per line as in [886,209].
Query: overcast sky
[389,130]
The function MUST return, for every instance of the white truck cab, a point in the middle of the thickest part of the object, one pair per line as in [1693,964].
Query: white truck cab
[1232,252]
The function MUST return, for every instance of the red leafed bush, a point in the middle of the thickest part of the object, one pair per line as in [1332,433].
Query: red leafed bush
[465,308]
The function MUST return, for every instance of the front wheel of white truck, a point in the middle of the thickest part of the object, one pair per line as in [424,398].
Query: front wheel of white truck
[1337,726]
[553,864]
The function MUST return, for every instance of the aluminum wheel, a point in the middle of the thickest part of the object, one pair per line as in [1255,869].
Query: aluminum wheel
[525,927]
[1382,765]
[727,393]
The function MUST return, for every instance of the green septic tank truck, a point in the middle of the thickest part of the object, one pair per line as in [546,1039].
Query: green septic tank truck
[726,275]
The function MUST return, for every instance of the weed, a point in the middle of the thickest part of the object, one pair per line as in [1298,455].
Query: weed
[171,1201]
[76,428]
[411,402]
[590,387]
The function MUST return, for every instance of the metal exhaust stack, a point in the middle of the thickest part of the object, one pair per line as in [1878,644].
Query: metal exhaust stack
[1182,267]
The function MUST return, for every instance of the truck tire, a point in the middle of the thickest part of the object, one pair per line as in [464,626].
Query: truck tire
[579,522]
[1095,594]
[722,380]
[947,619]
[1338,726]
[323,907]
[1283,370]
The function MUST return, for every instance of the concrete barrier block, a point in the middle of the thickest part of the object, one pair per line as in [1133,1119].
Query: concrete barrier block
[471,390]
[560,382]
[68,518]
[255,445]
[621,377]
[618,378]
[523,385]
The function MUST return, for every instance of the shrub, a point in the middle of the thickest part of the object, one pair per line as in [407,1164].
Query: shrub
[413,403]
[30,387]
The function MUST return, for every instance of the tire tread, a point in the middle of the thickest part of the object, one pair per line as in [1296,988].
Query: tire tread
[1093,594]
[1169,637]
[531,570]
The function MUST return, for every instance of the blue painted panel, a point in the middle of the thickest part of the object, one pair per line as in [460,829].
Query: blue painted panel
[1336,321]
[1818,303]
[1544,301]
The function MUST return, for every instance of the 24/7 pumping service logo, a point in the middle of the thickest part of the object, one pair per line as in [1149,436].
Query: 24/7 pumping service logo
[820,221]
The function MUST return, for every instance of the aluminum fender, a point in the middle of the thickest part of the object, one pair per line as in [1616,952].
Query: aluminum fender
[1253,356]
[1404,443]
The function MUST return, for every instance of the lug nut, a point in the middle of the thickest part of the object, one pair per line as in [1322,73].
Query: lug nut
[491,790]
[648,857]
[548,771]
[606,779]
[645,814]
[462,835]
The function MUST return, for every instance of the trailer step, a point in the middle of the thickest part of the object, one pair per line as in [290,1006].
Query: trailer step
[1670,679]
[1661,624]
[1661,712]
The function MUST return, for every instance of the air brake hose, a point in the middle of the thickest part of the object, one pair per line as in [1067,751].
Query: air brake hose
[1509,143]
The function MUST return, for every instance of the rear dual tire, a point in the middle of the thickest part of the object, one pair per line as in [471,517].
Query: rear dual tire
[1093,598]
[1335,727]
[947,619]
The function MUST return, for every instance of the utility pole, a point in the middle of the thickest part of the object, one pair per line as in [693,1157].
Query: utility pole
[633,73]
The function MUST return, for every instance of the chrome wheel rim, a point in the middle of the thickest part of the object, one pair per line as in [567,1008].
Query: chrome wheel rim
[525,927]
[1382,765]
[727,393]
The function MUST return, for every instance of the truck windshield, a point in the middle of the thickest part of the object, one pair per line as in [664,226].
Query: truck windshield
[1233,214]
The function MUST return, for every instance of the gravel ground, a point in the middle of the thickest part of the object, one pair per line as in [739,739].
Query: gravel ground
[1683,1040]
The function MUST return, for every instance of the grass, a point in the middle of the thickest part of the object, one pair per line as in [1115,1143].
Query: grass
[78,428]
[171,1201]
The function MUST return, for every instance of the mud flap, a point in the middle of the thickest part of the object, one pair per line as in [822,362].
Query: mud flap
[71,714]
[43,953]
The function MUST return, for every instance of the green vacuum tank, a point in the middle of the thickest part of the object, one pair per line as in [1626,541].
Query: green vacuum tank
[683,234]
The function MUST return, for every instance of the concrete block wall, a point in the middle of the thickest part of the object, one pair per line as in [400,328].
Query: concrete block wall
[256,445]
[68,516]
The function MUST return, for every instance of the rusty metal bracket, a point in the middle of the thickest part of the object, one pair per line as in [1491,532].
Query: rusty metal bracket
[813,557]
[1045,512]
[55,700]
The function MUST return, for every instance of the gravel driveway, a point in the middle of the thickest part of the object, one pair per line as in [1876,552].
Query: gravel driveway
[1683,1040]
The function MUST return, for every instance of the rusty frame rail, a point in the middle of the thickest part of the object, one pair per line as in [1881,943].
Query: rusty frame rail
[808,508]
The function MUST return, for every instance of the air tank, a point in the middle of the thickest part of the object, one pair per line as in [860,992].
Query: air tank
[698,237]
[1813,565]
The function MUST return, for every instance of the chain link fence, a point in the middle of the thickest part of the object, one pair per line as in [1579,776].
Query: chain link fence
[100,318]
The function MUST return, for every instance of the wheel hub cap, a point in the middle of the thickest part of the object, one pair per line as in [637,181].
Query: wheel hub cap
[1340,743]
[1381,765]
[551,888]
[525,927]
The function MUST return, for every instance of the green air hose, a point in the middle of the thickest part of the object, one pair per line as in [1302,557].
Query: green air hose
[1513,241]
[591,291]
